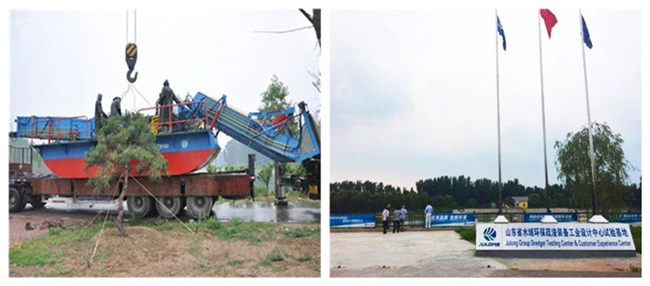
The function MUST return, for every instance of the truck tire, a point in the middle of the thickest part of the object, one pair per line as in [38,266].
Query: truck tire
[141,207]
[16,200]
[36,202]
[199,207]
[169,207]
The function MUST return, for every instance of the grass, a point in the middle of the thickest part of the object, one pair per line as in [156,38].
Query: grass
[40,251]
[275,256]
[306,257]
[300,232]
[252,232]
[636,236]
[467,234]
[235,262]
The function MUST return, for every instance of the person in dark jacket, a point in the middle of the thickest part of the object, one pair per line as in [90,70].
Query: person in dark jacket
[99,113]
[116,109]
[166,97]
[396,215]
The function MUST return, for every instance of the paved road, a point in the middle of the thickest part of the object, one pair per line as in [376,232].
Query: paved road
[444,254]
[295,212]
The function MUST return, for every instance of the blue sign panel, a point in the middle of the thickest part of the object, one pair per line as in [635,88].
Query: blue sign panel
[352,220]
[560,217]
[447,219]
[627,217]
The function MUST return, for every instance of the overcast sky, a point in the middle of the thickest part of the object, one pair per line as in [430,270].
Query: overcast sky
[60,60]
[413,93]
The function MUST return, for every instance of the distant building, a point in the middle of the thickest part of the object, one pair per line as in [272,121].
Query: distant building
[521,202]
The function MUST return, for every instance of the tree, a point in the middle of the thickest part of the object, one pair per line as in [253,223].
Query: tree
[274,98]
[574,167]
[314,19]
[264,174]
[123,144]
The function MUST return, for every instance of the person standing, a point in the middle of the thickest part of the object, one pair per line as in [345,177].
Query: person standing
[116,108]
[99,113]
[428,210]
[402,217]
[166,99]
[384,218]
[396,216]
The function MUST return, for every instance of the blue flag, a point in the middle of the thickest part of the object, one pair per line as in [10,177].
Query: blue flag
[585,34]
[503,35]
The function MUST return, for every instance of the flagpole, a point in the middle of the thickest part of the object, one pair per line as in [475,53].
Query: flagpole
[594,201]
[541,76]
[496,16]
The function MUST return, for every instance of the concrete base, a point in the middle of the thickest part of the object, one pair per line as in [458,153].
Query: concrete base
[282,202]
[555,253]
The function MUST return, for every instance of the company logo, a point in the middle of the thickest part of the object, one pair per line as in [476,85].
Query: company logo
[489,234]
[184,144]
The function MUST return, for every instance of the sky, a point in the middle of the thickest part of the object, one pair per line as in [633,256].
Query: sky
[413,93]
[61,60]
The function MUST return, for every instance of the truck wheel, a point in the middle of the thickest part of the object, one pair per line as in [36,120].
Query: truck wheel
[36,202]
[199,207]
[169,207]
[16,201]
[141,207]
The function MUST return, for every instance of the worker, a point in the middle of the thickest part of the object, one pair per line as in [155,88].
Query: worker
[99,113]
[116,109]
[166,99]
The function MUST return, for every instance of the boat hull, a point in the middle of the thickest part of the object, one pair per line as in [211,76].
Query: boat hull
[185,152]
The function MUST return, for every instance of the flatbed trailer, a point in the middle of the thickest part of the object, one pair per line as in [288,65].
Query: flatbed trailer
[197,191]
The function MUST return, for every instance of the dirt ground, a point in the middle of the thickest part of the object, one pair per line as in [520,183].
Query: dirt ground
[153,252]
[443,254]
[25,227]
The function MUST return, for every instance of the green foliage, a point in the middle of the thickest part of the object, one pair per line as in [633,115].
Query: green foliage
[235,262]
[54,231]
[40,250]
[212,168]
[274,98]
[305,258]
[123,143]
[275,256]
[467,234]
[230,168]
[291,169]
[264,174]
[252,232]
[574,166]
[29,255]
[300,232]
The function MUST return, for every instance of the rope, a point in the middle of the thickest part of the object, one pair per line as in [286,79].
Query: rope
[156,199]
[101,231]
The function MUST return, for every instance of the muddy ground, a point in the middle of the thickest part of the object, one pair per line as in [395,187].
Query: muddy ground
[158,251]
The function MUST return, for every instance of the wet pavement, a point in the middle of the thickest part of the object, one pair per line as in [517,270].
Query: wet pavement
[295,212]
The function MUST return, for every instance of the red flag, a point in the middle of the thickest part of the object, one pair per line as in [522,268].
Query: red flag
[549,20]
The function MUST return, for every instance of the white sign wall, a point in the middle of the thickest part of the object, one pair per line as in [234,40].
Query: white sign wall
[560,236]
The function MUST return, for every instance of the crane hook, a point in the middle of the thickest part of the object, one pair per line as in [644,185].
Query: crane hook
[131,59]
[131,79]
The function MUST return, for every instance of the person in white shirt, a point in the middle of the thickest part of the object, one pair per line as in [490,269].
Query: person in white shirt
[427,212]
[384,218]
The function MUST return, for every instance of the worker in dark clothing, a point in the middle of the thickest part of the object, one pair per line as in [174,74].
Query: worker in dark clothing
[116,109]
[166,97]
[99,113]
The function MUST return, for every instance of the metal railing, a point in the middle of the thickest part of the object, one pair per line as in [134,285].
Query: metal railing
[52,129]
[189,124]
